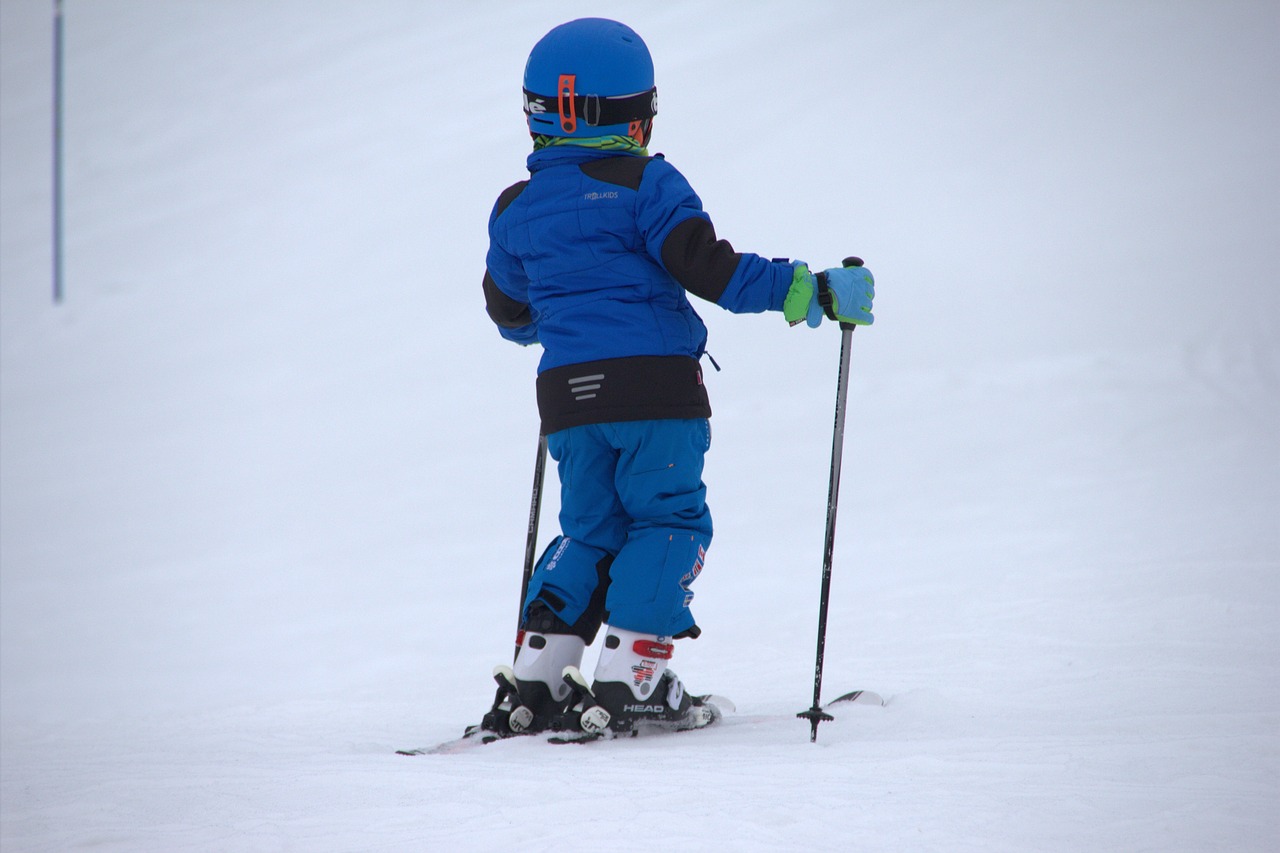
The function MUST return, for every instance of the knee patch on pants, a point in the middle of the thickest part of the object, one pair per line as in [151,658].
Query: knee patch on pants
[567,591]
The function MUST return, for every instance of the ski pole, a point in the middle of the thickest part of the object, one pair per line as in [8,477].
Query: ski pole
[530,546]
[815,714]
[531,542]
[58,146]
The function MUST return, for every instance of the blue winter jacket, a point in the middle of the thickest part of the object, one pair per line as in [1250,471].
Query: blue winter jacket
[592,257]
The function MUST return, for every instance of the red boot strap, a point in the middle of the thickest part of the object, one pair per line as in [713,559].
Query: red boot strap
[653,649]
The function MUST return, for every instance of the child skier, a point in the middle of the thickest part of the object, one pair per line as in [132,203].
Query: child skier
[591,258]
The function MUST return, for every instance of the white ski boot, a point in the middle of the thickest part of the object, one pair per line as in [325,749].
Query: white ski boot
[634,689]
[533,694]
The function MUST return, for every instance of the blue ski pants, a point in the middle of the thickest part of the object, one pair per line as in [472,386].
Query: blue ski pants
[631,492]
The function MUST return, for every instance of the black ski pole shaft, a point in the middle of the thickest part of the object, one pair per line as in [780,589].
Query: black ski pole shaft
[58,74]
[815,714]
[530,547]
[531,541]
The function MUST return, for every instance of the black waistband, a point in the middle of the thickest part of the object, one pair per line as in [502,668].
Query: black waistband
[638,388]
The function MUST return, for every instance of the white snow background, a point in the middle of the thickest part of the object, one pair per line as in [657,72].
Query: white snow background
[265,472]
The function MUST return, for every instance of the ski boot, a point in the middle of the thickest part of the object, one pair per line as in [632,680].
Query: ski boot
[533,694]
[632,690]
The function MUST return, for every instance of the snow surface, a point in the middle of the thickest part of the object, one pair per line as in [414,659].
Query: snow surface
[265,473]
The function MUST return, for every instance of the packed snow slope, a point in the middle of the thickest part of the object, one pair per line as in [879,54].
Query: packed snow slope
[264,474]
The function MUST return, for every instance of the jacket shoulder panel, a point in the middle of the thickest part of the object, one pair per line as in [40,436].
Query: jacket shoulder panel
[507,196]
[619,171]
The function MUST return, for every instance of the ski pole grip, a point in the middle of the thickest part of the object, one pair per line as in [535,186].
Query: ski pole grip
[851,261]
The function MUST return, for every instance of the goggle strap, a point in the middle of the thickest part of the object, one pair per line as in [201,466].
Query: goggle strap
[593,110]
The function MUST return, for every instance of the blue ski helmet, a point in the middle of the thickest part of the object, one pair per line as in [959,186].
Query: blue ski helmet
[590,77]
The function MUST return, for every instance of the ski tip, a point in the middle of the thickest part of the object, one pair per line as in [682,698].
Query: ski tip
[860,697]
[723,704]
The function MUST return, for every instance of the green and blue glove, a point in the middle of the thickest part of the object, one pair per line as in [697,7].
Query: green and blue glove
[852,290]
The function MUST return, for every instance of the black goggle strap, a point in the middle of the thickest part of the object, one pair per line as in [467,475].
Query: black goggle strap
[593,110]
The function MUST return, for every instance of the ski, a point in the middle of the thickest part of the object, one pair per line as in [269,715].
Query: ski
[711,710]
[487,730]
[474,736]
[707,710]
[717,708]
[861,697]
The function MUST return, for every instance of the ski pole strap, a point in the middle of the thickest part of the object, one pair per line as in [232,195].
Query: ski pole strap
[594,110]
[824,296]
